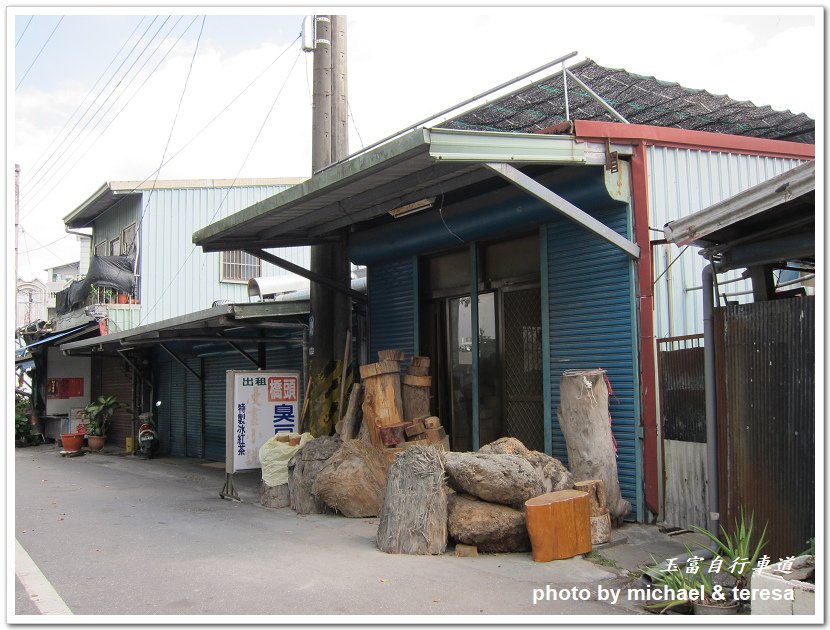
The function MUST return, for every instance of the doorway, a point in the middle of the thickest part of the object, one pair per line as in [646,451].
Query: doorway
[509,338]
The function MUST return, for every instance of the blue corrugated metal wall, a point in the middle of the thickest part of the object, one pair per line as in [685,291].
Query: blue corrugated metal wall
[392,300]
[183,396]
[590,297]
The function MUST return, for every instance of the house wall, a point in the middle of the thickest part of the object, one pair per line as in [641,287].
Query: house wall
[682,182]
[108,225]
[60,366]
[177,277]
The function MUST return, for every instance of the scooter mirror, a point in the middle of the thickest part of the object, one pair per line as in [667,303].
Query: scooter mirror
[158,403]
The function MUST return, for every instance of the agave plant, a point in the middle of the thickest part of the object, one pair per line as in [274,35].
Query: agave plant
[738,546]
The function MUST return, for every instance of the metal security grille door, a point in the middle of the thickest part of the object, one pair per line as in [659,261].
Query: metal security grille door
[522,367]
[392,303]
[591,314]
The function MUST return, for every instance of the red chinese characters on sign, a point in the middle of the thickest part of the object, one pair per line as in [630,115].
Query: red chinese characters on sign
[283,389]
[62,388]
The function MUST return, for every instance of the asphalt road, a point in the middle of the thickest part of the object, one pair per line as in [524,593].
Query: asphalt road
[124,536]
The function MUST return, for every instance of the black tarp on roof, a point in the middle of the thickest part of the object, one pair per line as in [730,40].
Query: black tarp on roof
[640,100]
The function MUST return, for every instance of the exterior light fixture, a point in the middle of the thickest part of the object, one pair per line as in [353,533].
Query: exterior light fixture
[411,208]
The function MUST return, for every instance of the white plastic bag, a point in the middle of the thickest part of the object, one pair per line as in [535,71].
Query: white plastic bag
[274,456]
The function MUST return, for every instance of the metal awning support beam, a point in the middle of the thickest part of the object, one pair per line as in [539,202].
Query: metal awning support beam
[180,362]
[305,273]
[563,206]
[133,366]
[242,352]
[599,99]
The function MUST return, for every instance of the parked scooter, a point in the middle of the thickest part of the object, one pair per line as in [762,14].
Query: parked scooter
[148,439]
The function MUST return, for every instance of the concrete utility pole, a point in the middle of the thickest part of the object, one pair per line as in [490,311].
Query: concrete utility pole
[330,310]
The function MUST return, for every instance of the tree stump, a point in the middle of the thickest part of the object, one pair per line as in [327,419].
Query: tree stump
[585,422]
[382,397]
[303,468]
[415,394]
[559,525]
[600,518]
[414,515]
[273,496]
[353,480]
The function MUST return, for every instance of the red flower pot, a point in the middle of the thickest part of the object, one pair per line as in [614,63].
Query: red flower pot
[72,441]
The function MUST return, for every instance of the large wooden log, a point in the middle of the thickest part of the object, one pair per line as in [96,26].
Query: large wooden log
[274,496]
[491,527]
[390,355]
[415,394]
[353,480]
[303,468]
[505,479]
[585,422]
[382,397]
[414,515]
[559,525]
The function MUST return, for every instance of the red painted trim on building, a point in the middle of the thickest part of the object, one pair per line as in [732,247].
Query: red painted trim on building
[587,130]
[645,309]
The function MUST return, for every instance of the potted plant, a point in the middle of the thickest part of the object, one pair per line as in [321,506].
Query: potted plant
[99,413]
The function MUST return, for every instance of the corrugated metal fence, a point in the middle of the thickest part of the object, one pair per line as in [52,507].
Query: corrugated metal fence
[766,411]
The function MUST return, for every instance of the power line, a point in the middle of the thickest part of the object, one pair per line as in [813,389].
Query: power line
[219,207]
[89,146]
[208,124]
[38,53]
[95,113]
[38,164]
[44,246]
[25,28]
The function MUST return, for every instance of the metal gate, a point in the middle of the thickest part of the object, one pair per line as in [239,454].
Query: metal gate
[683,430]
[522,367]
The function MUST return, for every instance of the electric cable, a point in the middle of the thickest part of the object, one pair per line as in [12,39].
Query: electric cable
[37,163]
[44,246]
[88,147]
[208,124]
[109,96]
[230,187]
[42,48]
[25,28]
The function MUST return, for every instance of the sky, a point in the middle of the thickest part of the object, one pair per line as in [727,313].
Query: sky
[238,104]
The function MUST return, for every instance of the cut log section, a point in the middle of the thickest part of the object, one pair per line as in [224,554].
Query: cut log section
[420,361]
[601,528]
[414,370]
[415,394]
[596,495]
[559,525]
[382,397]
[390,355]
[274,496]
[432,422]
[392,434]
[415,428]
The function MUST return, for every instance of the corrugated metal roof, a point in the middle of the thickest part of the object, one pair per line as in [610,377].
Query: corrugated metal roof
[639,99]
[776,199]
[421,163]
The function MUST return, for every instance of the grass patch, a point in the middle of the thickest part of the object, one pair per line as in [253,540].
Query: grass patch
[597,558]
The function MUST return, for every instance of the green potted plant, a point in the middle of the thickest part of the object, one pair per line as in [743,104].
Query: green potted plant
[99,413]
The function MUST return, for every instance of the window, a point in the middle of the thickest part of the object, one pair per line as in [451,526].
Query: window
[115,247]
[101,249]
[127,239]
[239,266]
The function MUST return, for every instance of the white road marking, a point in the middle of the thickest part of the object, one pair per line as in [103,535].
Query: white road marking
[40,590]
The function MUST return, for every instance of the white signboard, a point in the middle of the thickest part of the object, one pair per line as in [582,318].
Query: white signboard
[259,404]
